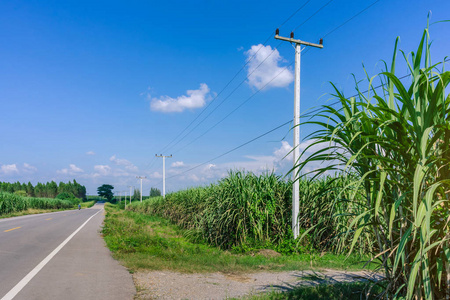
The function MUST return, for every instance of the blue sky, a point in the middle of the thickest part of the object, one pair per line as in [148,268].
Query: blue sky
[92,90]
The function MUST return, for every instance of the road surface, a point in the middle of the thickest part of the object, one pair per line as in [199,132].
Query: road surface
[59,255]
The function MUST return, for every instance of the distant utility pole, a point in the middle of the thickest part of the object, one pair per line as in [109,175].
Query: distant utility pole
[125,201]
[141,177]
[295,189]
[164,171]
[130,186]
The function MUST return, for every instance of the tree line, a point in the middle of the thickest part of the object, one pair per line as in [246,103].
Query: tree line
[106,191]
[45,190]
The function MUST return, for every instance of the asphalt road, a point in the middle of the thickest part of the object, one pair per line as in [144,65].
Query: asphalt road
[59,256]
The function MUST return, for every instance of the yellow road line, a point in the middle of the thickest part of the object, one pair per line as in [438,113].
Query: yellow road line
[12,229]
[48,219]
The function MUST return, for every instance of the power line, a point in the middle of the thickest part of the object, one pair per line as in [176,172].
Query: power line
[240,70]
[301,7]
[234,149]
[330,32]
[226,98]
[336,28]
[230,113]
[229,82]
[310,17]
[243,81]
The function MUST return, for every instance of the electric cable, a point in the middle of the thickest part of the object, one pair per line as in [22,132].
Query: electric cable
[240,70]
[330,32]
[229,151]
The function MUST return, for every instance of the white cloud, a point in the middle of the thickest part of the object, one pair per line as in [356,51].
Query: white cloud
[29,168]
[210,166]
[75,169]
[72,170]
[284,152]
[178,164]
[155,175]
[123,162]
[264,70]
[90,153]
[193,99]
[103,170]
[193,177]
[9,169]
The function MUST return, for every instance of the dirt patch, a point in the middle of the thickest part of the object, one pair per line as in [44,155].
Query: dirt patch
[173,285]
[268,253]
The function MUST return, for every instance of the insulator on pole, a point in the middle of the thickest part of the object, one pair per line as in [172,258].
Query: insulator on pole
[292,35]
[277,31]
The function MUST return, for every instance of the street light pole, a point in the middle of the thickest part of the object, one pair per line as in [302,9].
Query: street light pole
[141,177]
[296,187]
[164,171]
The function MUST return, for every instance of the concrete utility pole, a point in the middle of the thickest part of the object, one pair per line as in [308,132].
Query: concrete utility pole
[141,177]
[164,172]
[130,186]
[295,189]
[125,199]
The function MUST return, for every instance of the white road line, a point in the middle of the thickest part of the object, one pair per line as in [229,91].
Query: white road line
[15,290]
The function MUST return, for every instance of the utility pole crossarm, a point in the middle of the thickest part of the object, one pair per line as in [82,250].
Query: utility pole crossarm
[291,40]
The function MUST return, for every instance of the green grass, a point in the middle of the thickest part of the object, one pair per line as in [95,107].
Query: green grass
[87,204]
[351,291]
[146,242]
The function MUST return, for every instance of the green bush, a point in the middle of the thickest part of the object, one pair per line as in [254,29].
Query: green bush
[21,193]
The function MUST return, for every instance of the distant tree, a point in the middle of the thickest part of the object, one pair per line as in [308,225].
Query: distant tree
[106,191]
[154,192]
[52,189]
[78,190]
[39,190]
[17,186]
[30,189]
[136,194]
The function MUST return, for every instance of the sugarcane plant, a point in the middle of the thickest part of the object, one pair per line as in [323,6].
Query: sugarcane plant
[396,141]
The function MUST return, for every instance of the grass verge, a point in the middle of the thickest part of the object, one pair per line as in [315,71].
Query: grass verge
[145,242]
[351,291]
